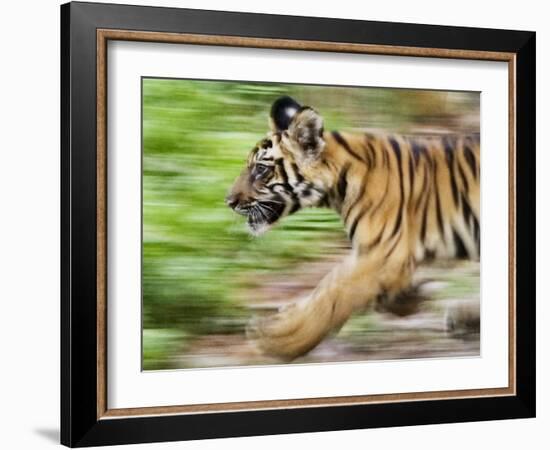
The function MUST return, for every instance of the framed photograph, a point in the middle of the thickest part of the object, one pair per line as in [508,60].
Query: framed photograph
[276,224]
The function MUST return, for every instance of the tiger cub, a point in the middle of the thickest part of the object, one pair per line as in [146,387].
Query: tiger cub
[402,200]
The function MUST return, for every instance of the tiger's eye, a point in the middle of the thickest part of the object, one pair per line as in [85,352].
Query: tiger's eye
[260,170]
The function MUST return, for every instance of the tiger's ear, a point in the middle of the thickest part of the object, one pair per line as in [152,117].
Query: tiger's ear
[306,130]
[283,111]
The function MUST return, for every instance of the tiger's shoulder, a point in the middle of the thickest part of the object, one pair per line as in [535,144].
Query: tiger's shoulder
[425,187]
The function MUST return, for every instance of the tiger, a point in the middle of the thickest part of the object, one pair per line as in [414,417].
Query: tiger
[403,199]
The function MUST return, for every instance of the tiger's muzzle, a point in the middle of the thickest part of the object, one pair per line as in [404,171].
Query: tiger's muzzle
[260,214]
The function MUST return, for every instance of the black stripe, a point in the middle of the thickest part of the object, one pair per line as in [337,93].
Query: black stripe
[424,190]
[278,207]
[290,191]
[477,236]
[460,248]
[371,151]
[278,202]
[342,184]
[324,202]
[411,176]
[325,161]
[466,211]
[462,176]
[282,171]
[467,214]
[297,173]
[295,200]
[356,221]
[430,162]
[385,157]
[338,138]
[394,246]
[476,231]
[397,151]
[368,156]
[366,153]
[471,160]
[425,218]
[286,186]
[366,248]
[357,199]
[449,156]
[417,150]
[438,205]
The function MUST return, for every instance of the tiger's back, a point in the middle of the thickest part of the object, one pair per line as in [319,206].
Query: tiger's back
[424,190]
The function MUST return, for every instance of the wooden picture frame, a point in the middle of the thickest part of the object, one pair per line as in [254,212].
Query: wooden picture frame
[86,418]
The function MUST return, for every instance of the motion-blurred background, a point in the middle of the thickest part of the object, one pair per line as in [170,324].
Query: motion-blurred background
[204,276]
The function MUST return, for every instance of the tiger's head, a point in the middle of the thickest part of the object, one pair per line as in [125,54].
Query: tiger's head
[278,178]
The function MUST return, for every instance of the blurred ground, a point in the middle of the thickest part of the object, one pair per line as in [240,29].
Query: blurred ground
[447,290]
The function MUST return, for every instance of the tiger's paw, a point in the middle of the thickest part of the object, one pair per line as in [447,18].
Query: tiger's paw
[285,335]
[462,318]
[407,302]
[272,335]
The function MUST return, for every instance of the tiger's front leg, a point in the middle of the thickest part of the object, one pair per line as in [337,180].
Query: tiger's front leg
[349,287]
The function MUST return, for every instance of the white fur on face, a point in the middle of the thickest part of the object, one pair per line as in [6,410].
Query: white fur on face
[258,229]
